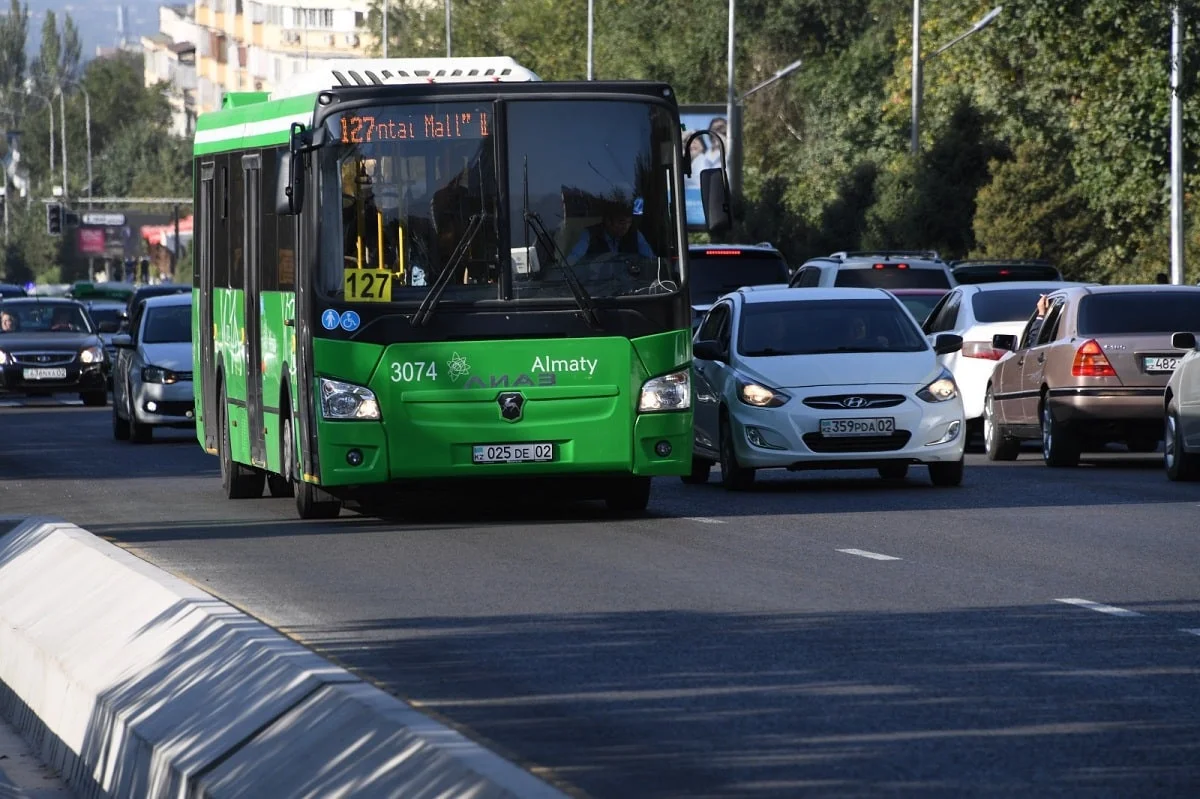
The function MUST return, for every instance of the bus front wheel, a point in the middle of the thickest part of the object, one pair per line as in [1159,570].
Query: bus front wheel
[311,502]
[630,495]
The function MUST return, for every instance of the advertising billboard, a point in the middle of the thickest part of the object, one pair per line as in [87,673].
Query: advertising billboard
[705,153]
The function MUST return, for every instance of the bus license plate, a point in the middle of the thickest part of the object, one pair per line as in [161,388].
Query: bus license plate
[1156,364]
[512,453]
[838,428]
[45,374]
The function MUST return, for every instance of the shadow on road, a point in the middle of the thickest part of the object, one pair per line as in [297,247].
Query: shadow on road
[999,702]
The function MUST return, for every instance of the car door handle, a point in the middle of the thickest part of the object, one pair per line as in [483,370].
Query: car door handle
[1041,358]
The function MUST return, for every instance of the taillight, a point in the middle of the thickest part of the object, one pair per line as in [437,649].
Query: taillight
[981,349]
[895,266]
[1090,361]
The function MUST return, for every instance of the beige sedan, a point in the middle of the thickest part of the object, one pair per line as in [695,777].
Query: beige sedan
[1093,371]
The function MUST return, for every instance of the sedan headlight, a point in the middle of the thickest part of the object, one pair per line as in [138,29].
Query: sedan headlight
[92,355]
[760,396]
[157,374]
[671,392]
[347,401]
[940,390]
[3,357]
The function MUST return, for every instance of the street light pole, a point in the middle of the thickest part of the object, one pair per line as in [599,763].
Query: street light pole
[385,30]
[447,28]
[62,112]
[917,89]
[1176,147]
[590,29]
[780,74]
[730,102]
[918,76]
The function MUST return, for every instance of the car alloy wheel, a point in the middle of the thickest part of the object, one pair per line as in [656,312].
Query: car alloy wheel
[733,476]
[997,444]
[1059,446]
[1181,465]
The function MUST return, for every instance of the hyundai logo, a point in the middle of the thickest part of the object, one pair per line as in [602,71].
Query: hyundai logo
[512,405]
[853,402]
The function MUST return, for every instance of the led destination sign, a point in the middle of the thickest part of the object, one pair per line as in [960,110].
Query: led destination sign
[413,124]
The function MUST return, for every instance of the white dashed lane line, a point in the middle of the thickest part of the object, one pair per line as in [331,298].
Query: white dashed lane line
[862,553]
[704,520]
[1191,632]
[1099,608]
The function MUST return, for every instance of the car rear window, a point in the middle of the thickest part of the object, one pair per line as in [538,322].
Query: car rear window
[1010,305]
[892,276]
[995,273]
[1139,312]
[724,271]
[810,327]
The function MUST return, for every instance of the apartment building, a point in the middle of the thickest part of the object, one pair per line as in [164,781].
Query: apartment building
[170,57]
[251,45]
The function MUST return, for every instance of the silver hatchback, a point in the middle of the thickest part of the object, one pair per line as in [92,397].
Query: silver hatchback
[152,379]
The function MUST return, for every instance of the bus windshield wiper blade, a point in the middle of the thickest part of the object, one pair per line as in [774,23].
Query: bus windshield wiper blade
[582,298]
[433,296]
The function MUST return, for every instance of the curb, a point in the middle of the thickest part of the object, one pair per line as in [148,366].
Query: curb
[131,682]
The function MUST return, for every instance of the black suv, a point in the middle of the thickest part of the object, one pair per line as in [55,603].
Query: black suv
[883,269]
[983,270]
[717,269]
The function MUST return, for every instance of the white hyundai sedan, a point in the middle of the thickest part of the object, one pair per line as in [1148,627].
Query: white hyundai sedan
[824,378]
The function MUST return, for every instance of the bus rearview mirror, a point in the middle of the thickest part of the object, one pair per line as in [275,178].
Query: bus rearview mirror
[714,196]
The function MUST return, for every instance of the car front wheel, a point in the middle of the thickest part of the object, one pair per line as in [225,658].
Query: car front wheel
[1181,465]
[946,474]
[734,476]
[997,443]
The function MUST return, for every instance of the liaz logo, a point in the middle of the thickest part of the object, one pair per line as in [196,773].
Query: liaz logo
[512,381]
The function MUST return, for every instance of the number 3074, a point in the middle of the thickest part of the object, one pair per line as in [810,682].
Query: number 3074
[413,371]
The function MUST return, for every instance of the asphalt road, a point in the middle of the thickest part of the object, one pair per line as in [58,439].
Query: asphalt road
[1035,632]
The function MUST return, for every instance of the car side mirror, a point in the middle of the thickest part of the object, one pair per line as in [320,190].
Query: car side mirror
[1183,341]
[1004,341]
[708,351]
[123,342]
[947,343]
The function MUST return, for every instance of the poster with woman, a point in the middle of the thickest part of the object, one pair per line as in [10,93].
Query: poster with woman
[705,152]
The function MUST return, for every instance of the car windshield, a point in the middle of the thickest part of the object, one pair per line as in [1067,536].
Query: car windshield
[1133,313]
[919,305]
[410,191]
[1009,305]
[892,276]
[168,324]
[44,318]
[715,272]
[111,316]
[812,327]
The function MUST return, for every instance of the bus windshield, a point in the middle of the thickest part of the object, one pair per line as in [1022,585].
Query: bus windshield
[409,191]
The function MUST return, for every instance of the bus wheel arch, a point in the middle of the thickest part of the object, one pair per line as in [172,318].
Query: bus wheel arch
[238,481]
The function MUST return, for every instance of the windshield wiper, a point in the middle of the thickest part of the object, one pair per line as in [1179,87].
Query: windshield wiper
[765,351]
[434,295]
[582,298]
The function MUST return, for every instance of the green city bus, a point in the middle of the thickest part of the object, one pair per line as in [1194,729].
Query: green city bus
[415,270]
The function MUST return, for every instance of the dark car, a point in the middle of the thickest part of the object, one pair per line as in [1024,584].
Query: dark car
[998,270]
[881,269]
[717,269]
[49,346]
[12,290]
[153,290]
[108,317]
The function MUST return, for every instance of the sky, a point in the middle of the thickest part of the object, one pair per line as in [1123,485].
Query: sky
[97,21]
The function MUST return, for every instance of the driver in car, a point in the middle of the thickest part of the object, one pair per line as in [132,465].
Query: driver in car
[613,235]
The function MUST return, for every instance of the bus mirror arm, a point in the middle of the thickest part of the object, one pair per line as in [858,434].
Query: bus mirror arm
[289,189]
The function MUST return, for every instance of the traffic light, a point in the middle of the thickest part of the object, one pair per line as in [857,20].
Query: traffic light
[54,219]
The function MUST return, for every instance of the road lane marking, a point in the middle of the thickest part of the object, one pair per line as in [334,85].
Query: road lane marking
[1099,608]
[862,553]
[704,520]
[1191,632]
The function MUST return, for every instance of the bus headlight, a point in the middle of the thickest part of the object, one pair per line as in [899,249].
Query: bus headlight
[347,401]
[671,392]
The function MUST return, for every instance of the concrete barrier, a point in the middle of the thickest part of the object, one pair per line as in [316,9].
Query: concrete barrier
[134,683]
